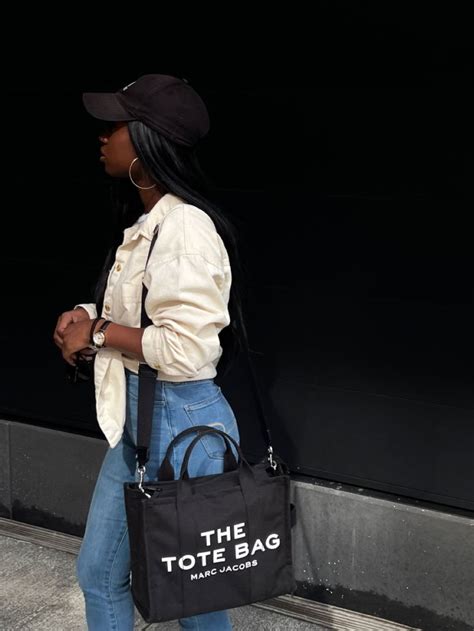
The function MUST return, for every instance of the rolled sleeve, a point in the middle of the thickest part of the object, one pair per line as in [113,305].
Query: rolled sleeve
[187,303]
[90,308]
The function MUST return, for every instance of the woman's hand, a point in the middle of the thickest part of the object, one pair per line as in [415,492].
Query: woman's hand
[64,320]
[75,338]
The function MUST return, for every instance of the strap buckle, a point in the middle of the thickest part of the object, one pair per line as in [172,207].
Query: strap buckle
[141,470]
[272,462]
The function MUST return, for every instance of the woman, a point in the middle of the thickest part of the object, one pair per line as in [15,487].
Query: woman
[157,123]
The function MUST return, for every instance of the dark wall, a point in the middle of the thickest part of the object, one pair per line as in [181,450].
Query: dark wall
[345,158]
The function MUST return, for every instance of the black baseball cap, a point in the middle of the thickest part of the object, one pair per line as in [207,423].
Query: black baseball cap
[166,104]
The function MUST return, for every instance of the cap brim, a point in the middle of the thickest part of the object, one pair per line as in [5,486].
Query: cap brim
[105,106]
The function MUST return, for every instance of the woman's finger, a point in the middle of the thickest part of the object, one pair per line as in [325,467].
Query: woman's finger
[70,358]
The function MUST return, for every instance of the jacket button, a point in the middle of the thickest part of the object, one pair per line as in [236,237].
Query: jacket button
[107,308]
[118,267]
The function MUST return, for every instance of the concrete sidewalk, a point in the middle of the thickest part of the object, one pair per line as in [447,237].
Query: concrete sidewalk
[39,590]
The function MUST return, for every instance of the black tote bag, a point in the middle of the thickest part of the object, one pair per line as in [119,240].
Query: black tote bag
[212,542]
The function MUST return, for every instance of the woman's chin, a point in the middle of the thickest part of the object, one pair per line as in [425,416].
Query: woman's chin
[112,169]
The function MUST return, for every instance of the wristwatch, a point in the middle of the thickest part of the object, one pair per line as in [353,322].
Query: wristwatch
[98,338]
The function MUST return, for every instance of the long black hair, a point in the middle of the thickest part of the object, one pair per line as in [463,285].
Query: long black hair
[176,169]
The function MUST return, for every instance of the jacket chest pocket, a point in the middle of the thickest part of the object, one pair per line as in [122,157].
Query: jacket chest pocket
[129,297]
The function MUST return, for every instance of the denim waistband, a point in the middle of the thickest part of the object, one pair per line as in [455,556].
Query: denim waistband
[130,373]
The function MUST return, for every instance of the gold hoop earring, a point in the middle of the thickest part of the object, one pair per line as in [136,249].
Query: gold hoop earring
[144,188]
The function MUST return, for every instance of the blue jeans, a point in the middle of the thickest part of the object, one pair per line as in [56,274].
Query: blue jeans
[103,564]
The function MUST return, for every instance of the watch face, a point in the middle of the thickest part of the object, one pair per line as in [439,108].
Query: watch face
[99,338]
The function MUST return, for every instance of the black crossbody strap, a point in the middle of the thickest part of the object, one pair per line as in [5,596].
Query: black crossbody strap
[147,383]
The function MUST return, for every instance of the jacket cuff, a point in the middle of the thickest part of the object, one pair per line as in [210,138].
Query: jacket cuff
[150,348]
[90,308]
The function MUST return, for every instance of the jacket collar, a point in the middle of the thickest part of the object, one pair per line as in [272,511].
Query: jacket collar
[154,217]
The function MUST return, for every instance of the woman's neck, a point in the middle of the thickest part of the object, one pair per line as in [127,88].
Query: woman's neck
[150,198]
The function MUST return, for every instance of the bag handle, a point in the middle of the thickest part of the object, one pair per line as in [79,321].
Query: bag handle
[166,470]
[244,470]
[184,475]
